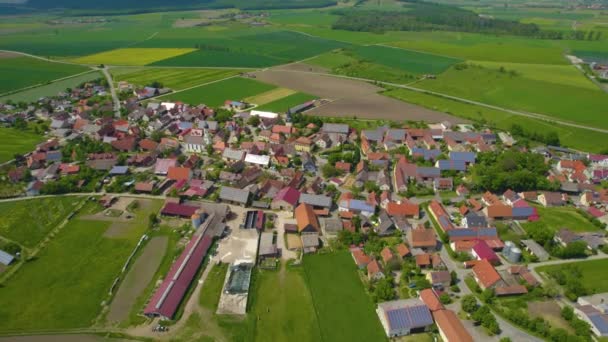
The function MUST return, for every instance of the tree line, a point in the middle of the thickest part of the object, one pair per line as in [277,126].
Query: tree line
[424,16]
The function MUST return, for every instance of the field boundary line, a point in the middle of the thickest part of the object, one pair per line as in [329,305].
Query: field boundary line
[49,82]
[459,99]
[312,296]
[189,88]
[418,51]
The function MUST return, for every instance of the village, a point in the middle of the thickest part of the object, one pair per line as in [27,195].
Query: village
[446,223]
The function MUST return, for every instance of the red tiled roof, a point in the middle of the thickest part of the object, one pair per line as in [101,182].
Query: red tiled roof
[172,290]
[306,217]
[178,173]
[361,259]
[402,209]
[373,267]
[176,209]
[402,250]
[429,298]
[484,252]
[486,273]
[148,144]
[423,259]
[289,195]
[386,254]
[451,326]
[423,238]
[343,166]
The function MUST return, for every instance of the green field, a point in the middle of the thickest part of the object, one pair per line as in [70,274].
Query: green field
[526,91]
[556,218]
[64,286]
[51,89]
[28,222]
[282,105]
[594,279]
[215,94]
[16,142]
[174,78]
[344,310]
[22,72]
[406,60]
[573,137]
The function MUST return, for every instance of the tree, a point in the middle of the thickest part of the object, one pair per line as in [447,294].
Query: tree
[453,277]
[254,121]
[384,290]
[468,304]
[445,299]
[487,295]
[422,284]
[480,313]
[20,124]
[567,313]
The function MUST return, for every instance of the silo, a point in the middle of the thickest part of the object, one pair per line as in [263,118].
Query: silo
[506,251]
[514,255]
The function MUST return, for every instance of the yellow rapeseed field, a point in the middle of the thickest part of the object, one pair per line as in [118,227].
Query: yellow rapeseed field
[131,56]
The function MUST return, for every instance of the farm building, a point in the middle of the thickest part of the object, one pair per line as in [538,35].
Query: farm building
[234,195]
[268,248]
[403,317]
[307,219]
[176,209]
[5,258]
[171,292]
[450,327]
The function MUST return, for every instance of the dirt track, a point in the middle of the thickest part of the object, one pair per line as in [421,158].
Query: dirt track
[138,278]
[350,97]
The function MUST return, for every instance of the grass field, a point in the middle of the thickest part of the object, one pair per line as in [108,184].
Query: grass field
[174,78]
[51,89]
[525,91]
[215,94]
[205,58]
[280,309]
[282,105]
[406,60]
[84,264]
[28,222]
[21,72]
[593,280]
[557,218]
[132,56]
[573,137]
[345,312]
[16,141]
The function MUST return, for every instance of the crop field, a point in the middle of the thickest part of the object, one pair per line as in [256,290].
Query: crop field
[51,89]
[210,58]
[407,60]
[215,94]
[556,218]
[594,280]
[282,105]
[16,141]
[21,72]
[269,96]
[510,89]
[176,79]
[597,56]
[132,56]
[345,312]
[573,137]
[70,296]
[28,222]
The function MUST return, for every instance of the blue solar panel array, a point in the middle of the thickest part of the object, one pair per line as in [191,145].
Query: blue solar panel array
[479,232]
[455,165]
[600,323]
[410,317]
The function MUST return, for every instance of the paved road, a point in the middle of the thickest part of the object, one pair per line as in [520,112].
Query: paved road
[115,98]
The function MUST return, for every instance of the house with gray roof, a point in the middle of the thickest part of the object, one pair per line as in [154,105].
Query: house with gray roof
[234,195]
[316,201]
[335,128]
[5,258]
[231,155]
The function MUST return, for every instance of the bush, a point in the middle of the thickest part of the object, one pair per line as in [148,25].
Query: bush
[468,304]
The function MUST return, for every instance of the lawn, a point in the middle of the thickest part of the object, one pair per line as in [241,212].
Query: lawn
[28,222]
[132,56]
[51,89]
[593,279]
[280,308]
[16,141]
[344,310]
[174,78]
[282,105]
[215,94]
[270,96]
[523,90]
[573,137]
[21,72]
[556,218]
[406,60]
[65,284]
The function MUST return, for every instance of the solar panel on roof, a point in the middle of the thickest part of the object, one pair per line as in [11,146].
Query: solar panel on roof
[398,319]
[420,316]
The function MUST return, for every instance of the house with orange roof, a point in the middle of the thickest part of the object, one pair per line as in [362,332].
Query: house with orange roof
[306,218]
[486,275]
[450,327]
[423,260]
[404,208]
[402,250]
[430,299]
[374,270]
[303,144]
[179,173]
[388,258]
